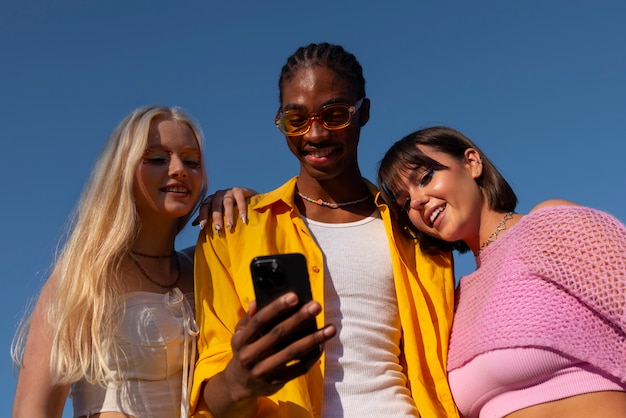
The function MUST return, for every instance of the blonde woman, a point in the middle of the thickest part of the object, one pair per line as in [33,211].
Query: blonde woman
[113,325]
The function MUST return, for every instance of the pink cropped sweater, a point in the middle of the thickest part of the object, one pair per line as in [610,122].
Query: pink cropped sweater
[556,280]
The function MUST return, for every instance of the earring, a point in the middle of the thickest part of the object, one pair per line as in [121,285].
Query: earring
[477,162]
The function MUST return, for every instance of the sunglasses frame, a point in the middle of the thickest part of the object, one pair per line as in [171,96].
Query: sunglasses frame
[352,109]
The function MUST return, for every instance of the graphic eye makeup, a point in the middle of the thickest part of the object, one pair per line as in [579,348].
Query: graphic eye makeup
[426,177]
[192,164]
[192,159]
[155,160]
[157,157]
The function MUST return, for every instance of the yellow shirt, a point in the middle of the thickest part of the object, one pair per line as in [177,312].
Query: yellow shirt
[223,290]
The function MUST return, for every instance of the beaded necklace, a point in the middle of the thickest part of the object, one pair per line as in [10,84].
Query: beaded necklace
[147,276]
[331,205]
[153,256]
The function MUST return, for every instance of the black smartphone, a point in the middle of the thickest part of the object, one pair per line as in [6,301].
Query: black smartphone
[275,275]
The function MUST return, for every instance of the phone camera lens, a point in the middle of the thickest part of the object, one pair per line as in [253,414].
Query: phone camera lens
[270,276]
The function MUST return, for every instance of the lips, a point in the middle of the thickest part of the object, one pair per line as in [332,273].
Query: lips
[320,149]
[175,189]
[435,214]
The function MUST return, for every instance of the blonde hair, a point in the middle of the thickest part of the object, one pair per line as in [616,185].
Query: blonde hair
[85,311]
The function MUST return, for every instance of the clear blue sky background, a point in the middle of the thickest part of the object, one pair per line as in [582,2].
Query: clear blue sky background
[540,85]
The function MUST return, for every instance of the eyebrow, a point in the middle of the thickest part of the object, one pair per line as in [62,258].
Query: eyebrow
[297,106]
[184,150]
[412,173]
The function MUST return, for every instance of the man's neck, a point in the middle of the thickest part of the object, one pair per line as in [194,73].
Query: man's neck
[316,198]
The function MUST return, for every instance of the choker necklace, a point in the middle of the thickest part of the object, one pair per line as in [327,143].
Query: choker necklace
[499,228]
[321,202]
[153,256]
[147,276]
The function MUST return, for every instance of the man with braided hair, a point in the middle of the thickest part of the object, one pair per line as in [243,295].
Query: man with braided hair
[387,307]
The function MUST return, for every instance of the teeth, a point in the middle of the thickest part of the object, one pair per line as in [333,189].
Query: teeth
[175,189]
[320,154]
[434,215]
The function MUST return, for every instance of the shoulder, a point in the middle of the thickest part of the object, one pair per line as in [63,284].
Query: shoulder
[551,209]
[283,193]
[553,202]
[569,221]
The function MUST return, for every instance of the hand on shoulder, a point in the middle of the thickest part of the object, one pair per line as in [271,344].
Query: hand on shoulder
[219,207]
[554,202]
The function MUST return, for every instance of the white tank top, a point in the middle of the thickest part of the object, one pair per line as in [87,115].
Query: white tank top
[363,376]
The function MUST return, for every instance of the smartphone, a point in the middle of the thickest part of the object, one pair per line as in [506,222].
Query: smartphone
[275,275]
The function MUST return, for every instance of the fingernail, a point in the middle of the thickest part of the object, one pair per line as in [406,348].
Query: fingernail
[328,331]
[218,228]
[291,299]
[229,225]
[314,308]
[244,218]
[202,224]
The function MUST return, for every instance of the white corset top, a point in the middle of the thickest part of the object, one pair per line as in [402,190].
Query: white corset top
[157,342]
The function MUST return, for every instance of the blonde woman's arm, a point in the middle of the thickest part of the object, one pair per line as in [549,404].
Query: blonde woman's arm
[36,396]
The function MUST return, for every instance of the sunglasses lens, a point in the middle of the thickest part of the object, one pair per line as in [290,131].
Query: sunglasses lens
[297,122]
[294,121]
[335,116]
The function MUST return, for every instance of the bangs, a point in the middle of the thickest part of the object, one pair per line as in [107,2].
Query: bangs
[398,164]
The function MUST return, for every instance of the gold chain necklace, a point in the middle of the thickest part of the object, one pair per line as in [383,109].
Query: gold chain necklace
[147,276]
[499,228]
[331,205]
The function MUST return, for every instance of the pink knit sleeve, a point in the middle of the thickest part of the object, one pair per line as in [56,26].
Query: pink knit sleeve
[583,251]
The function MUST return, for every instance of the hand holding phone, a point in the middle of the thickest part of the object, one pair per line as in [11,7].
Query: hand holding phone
[275,275]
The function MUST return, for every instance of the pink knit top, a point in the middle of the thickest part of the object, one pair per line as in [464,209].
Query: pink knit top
[556,281]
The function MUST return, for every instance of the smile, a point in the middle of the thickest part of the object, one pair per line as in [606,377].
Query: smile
[321,153]
[175,189]
[436,213]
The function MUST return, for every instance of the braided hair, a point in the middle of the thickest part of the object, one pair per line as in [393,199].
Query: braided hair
[334,57]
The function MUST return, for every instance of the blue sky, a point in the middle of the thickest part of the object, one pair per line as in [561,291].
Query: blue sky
[539,85]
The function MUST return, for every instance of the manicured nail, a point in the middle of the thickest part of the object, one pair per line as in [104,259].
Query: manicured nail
[202,224]
[218,228]
[229,225]
[244,218]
